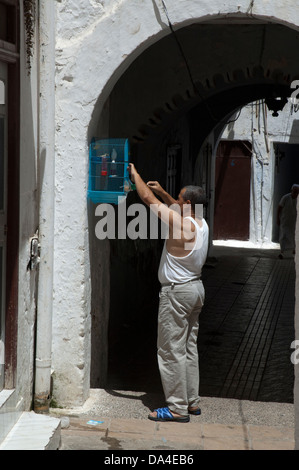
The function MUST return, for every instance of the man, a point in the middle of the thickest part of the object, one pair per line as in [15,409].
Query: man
[181,295]
[286,219]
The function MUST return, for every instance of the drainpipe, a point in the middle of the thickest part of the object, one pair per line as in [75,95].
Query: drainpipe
[46,168]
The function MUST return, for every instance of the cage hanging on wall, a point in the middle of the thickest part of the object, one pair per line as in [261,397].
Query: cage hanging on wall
[108,174]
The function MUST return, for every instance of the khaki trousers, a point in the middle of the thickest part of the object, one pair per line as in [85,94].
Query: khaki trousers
[179,309]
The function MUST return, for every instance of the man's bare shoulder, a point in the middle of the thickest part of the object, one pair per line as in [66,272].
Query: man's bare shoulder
[200,222]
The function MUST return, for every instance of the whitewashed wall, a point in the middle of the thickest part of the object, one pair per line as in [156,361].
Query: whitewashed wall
[28,225]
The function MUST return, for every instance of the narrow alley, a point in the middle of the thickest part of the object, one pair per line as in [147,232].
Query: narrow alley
[245,335]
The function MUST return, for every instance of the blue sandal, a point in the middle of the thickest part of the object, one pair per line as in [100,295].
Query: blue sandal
[164,414]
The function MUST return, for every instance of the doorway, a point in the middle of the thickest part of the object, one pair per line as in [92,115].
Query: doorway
[285,175]
[232,190]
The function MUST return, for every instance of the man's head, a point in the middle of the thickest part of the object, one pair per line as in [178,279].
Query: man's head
[295,190]
[192,195]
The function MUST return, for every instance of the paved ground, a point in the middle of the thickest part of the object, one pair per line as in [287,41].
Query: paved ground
[247,326]
[117,420]
[246,330]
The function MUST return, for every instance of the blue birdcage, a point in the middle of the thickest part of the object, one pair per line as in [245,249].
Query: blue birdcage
[108,174]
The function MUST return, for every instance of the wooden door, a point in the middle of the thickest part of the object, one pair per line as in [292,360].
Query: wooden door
[232,190]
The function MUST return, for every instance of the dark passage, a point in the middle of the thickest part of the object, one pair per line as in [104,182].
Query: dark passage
[246,329]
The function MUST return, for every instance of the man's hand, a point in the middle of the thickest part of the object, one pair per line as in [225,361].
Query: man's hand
[144,192]
[132,172]
[155,187]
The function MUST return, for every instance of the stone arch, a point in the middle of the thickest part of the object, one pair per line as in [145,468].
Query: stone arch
[161,31]
[181,104]
[192,94]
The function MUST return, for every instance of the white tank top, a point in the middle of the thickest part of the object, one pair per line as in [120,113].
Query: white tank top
[186,268]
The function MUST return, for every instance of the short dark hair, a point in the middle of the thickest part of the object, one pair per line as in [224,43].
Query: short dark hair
[195,194]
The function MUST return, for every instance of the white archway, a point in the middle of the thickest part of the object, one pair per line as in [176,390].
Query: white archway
[88,67]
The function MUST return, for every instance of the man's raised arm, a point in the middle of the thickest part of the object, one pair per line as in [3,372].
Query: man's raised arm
[148,197]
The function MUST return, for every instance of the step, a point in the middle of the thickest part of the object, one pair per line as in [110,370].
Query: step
[33,432]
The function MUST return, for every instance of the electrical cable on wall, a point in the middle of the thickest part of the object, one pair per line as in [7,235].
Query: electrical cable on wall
[187,65]
[266,137]
[180,47]
[236,118]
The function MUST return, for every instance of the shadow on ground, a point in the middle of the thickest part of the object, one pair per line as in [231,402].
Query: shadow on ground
[246,330]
